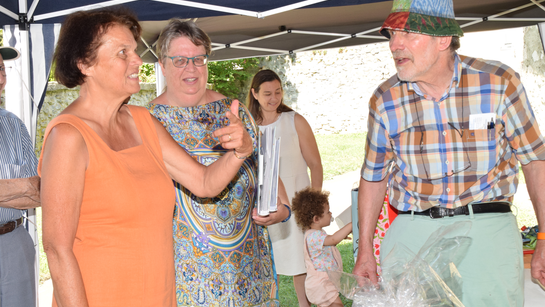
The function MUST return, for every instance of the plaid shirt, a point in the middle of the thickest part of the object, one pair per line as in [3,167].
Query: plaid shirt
[463,148]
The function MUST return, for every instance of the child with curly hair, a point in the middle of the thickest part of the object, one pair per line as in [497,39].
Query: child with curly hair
[311,210]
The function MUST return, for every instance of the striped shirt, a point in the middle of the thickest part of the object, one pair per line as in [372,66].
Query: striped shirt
[17,158]
[463,148]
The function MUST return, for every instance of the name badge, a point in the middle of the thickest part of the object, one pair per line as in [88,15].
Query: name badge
[482,121]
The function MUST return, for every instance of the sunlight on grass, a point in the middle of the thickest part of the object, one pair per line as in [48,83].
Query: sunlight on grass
[525,214]
[341,153]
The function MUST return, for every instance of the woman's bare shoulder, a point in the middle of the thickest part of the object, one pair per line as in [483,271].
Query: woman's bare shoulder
[300,120]
[64,140]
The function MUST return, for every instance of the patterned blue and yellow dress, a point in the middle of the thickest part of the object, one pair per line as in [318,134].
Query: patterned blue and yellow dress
[222,258]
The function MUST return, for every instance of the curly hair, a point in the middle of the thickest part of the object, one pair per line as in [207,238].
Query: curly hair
[307,204]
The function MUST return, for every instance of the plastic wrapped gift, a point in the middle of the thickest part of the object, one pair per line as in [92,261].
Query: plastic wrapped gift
[429,278]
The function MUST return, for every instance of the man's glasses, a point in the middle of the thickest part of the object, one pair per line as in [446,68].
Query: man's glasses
[460,163]
[182,61]
[457,166]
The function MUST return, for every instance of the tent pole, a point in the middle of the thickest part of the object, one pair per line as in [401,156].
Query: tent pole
[31,126]
[26,117]
[160,82]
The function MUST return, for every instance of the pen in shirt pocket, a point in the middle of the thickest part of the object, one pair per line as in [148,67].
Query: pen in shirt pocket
[491,130]
[490,125]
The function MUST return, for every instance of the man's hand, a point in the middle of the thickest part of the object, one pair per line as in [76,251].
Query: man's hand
[366,266]
[538,262]
[370,202]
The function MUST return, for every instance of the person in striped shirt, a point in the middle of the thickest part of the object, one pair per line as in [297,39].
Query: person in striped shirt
[446,135]
[19,190]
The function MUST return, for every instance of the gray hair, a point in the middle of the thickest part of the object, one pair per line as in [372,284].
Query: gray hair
[179,28]
[454,44]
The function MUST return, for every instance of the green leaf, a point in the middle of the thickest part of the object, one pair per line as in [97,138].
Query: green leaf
[229,77]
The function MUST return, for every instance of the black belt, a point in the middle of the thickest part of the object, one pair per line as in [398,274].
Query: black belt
[10,226]
[440,212]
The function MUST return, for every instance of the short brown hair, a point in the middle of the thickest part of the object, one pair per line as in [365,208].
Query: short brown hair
[80,38]
[307,204]
[265,75]
[178,28]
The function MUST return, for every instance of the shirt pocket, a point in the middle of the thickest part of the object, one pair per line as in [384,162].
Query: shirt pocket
[481,148]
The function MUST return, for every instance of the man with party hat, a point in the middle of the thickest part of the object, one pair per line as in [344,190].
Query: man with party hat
[452,130]
[19,190]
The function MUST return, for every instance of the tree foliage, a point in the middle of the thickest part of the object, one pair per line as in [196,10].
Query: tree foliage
[230,77]
[52,73]
[147,73]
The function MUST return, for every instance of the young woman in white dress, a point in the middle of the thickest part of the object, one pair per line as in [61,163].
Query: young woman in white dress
[298,150]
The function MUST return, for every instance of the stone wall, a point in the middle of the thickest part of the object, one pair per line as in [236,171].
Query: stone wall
[533,73]
[331,88]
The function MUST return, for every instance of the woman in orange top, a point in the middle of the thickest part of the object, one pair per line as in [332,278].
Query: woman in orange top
[107,171]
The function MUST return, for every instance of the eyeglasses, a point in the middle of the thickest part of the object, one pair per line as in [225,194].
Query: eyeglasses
[182,61]
[3,70]
[462,165]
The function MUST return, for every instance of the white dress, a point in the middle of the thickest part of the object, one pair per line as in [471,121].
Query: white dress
[287,238]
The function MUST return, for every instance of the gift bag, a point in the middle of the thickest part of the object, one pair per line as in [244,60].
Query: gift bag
[428,278]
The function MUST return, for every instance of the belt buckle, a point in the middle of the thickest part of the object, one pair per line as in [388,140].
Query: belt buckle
[435,213]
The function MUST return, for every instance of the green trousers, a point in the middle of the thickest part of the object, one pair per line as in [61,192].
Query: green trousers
[493,269]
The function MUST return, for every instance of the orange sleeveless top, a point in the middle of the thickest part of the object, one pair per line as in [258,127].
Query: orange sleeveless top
[123,243]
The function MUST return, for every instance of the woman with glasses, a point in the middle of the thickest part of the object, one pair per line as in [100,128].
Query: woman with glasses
[223,255]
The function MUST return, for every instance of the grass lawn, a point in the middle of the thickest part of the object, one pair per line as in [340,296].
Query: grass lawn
[341,153]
